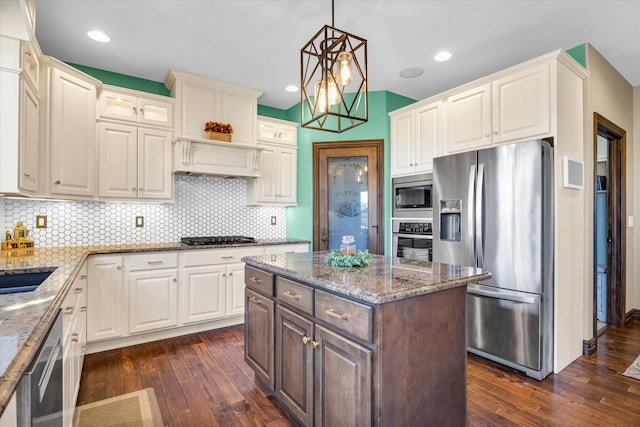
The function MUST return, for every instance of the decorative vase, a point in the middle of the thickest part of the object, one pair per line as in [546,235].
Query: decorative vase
[219,136]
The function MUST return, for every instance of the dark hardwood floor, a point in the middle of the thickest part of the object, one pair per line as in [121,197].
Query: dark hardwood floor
[202,380]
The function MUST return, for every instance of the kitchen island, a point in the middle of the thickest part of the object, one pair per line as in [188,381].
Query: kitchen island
[380,345]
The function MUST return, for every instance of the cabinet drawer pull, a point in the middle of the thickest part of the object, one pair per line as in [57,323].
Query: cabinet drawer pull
[332,313]
[227,257]
[255,300]
[254,279]
[154,262]
[68,310]
[83,308]
[291,295]
[83,277]
[77,290]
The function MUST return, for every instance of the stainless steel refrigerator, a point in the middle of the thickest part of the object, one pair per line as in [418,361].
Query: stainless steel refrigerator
[493,209]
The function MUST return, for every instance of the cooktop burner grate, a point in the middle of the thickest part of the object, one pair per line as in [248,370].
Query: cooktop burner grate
[216,240]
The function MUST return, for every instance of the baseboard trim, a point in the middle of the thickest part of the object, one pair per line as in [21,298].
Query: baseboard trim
[98,346]
[633,314]
[589,347]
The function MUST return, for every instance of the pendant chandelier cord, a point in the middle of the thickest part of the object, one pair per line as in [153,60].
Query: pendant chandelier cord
[333,24]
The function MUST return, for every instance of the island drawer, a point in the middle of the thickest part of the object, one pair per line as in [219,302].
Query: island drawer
[349,316]
[258,280]
[294,294]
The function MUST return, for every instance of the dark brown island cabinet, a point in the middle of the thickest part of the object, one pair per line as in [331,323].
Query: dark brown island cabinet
[381,345]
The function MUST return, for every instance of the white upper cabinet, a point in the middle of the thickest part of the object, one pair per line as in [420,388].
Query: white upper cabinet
[68,122]
[135,145]
[134,163]
[469,119]
[201,99]
[137,107]
[277,131]
[19,117]
[514,106]
[521,105]
[277,184]
[416,137]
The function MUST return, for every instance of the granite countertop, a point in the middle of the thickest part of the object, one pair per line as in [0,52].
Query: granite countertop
[386,279]
[26,317]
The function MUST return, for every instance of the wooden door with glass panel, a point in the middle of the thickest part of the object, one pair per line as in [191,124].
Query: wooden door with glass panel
[347,185]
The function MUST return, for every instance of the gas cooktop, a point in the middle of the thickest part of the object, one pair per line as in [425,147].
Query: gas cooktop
[216,240]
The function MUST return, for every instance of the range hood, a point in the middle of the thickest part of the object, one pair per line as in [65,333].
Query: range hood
[194,156]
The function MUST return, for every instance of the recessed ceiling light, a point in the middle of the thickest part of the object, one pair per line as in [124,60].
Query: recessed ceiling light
[411,72]
[442,56]
[98,36]
[291,88]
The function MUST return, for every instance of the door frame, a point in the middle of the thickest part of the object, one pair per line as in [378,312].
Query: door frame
[376,144]
[616,213]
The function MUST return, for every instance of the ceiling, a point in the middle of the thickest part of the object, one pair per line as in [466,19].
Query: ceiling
[257,43]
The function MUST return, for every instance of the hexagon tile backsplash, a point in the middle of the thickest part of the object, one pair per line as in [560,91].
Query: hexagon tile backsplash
[203,206]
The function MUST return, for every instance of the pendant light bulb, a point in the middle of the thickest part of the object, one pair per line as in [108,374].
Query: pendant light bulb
[321,96]
[344,68]
[332,92]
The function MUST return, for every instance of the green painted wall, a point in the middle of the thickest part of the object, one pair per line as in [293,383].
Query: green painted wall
[579,54]
[300,218]
[274,113]
[122,80]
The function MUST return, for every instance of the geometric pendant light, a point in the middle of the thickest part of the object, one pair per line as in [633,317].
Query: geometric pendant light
[333,80]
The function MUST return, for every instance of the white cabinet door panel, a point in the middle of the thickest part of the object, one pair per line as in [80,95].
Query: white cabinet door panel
[153,297]
[155,176]
[203,294]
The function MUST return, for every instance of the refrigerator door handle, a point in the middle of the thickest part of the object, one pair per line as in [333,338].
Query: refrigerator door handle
[470,197]
[499,295]
[479,206]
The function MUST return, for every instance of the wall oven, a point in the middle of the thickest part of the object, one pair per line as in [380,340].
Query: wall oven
[412,239]
[412,196]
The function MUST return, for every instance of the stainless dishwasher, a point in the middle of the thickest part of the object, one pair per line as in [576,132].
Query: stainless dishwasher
[40,390]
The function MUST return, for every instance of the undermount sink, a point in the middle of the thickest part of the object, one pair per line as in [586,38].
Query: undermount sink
[23,280]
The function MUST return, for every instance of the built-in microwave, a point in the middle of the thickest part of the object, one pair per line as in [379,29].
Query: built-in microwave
[412,196]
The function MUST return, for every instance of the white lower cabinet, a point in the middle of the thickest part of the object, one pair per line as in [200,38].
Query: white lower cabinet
[202,293]
[106,313]
[153,299]
[74,339]
[153,295]
[213,283]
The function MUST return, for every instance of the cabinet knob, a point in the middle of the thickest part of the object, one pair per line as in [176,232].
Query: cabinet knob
[140,189]
[487,135]
[495,132]
[175,279]
[133,188]
[57,182]
[315,344]
[305,339]
[231,274]
[119,267]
